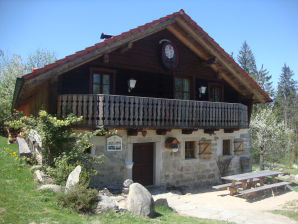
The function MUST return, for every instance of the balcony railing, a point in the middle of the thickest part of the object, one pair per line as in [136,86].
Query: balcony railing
[144,112]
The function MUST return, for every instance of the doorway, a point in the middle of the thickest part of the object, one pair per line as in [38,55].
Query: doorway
[143,163]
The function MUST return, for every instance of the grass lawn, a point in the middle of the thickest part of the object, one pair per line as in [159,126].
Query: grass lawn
[21,203]
[290,210]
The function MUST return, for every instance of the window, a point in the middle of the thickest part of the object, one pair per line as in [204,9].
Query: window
[226,147]
[182,89]
[215,92]
[101,83]
[189,150]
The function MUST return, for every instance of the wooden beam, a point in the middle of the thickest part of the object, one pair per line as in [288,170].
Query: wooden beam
[132,132]
[127,47]
[188,131]
[215,53]
[162,131]
[210,131]
[201,52]
[106,59]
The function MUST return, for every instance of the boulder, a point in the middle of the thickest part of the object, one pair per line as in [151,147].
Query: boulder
[35,167]
[161,202]
[105,203]
[73,178]
[41,177]
[139,200]
[52,187]
[296,177]
[127,183]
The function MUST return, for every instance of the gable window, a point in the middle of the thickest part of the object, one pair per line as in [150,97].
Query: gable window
[215,92]
[182,89]
[101,83]
[189,150]
[226,147]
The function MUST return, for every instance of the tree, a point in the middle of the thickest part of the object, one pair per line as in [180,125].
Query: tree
[268,136]
[12,67]
[286,98]
[247,60]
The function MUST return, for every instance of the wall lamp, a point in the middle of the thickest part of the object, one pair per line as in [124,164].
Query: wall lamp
[131,84]
[202,90]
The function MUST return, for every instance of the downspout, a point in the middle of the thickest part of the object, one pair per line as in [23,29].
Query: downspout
[17,89]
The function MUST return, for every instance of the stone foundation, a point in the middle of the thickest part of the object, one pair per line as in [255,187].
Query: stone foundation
[171,168]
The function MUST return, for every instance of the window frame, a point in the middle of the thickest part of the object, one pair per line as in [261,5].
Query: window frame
[194,150]
[183,92]
[216,85]
[102,71]
[230,148]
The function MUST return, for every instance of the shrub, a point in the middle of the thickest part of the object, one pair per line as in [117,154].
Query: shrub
[62,147]
[79,198]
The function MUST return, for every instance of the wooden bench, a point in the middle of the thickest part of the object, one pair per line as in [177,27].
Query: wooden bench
[226,186]
[263,188]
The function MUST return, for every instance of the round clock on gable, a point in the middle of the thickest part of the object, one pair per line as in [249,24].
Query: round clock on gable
[169,55]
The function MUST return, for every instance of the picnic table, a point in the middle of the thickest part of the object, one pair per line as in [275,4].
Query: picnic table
[245,184]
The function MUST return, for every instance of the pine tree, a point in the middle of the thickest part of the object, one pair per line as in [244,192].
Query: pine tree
[247,60]
[286,98]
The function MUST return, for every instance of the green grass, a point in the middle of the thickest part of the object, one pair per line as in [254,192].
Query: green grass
[21,203]
[290,210]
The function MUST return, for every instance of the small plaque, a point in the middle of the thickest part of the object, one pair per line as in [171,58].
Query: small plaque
[114,143]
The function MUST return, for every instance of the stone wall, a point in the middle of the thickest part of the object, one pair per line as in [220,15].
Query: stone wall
[171,168]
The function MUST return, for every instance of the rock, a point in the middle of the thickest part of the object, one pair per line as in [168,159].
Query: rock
[105,203]
[296,177]
[127,183]
[73,178]
[140,201]
[52,187]
[35,167]
[295,166]
[105,192]
[161,202]
[41,177]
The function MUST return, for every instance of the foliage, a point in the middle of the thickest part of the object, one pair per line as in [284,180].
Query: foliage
[79,198]
[268,135]
[62,147]
[12,67]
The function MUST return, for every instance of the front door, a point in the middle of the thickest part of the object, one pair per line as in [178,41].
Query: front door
[143,163]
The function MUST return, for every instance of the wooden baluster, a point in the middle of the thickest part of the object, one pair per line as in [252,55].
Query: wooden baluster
[131,110]
[158,117]
[145,112]
[100,110]
[117,112]
[136,111]
[84,110]
[90,111]
[126,109]
[141,111]
[150,112]
[121,111]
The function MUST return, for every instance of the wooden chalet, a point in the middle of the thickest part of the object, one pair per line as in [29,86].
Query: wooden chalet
[165,79]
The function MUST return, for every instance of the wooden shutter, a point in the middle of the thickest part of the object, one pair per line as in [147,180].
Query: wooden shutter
[205,150]
[238,147]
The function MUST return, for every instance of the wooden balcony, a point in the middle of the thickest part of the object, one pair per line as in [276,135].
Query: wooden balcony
[142,112]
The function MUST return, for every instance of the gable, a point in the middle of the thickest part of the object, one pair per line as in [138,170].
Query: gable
[178,24]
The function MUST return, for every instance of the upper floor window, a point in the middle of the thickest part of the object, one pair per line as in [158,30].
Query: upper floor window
[215,92]
[101,83]
[182,89]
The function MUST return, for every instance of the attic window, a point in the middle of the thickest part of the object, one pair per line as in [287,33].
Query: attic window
[101,83]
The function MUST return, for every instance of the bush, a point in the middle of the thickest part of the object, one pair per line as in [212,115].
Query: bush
[79,198]
[62,147]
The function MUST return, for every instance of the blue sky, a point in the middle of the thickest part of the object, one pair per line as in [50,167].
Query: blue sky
[61,26]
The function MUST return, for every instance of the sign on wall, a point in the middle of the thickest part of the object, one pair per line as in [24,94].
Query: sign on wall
[114,143]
